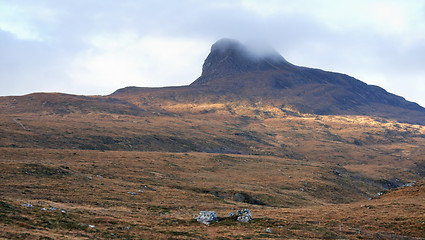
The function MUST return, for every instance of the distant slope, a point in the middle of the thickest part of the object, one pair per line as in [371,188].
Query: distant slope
[62,104]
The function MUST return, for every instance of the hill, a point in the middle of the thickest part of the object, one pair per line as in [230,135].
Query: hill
[306,149]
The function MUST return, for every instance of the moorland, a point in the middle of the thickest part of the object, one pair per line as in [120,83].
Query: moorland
[142,163]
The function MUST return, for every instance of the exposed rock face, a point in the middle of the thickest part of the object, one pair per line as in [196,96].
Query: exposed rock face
[229,56]
[207,217]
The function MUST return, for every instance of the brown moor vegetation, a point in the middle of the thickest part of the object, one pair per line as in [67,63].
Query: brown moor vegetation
[314,174]
[319,155]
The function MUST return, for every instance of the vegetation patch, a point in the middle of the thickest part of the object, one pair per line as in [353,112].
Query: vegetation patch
[45,171]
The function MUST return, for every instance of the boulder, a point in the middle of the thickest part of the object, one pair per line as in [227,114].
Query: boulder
[207,217]
[215,193]
[244,215]
[239,197]
[243,197]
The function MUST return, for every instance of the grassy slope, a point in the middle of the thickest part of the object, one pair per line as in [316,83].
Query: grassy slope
[182,184]
[187,152]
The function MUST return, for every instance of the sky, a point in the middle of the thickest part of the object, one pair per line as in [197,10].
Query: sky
[94,47]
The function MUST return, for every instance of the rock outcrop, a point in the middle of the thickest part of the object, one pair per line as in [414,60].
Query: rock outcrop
[229,56]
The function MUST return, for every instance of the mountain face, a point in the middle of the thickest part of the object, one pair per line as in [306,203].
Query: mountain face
[233,69]
[228,57]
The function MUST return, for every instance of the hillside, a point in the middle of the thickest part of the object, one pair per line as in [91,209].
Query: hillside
[80,194]
[314,154]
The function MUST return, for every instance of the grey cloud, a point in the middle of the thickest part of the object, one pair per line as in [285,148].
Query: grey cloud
[301,38]
[27,66]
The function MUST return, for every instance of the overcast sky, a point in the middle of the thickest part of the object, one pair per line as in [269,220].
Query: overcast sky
[97,46]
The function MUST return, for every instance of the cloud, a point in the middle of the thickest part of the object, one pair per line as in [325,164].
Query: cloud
[23,21]
[28,66]
[129,60]
[96,46]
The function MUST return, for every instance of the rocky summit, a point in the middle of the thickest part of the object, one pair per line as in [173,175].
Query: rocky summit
[233,69]
[229,56]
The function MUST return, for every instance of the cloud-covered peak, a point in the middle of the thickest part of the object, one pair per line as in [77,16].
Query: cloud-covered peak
[252,50]
[226,44]
[229,56]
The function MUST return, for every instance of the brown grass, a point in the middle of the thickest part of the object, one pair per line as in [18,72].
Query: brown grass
[315,174]
[181,185]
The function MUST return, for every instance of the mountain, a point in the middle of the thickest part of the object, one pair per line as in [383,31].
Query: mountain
[235,72]
[237,75]
[303,149]
[232,66]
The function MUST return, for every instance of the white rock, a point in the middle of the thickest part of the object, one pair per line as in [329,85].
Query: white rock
[244,215]
[410,184]
[207,217]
